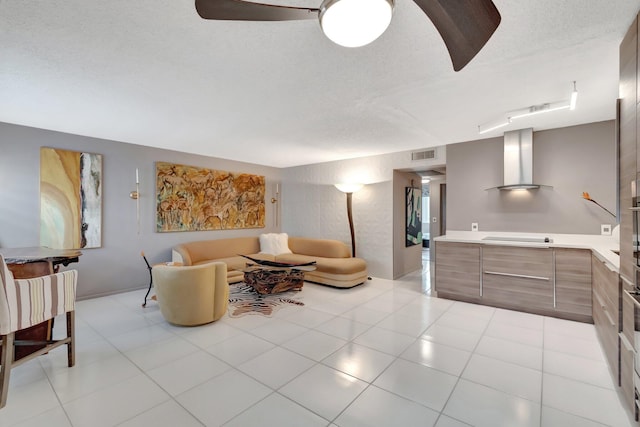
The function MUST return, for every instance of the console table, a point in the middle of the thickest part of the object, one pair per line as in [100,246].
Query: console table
[26,263]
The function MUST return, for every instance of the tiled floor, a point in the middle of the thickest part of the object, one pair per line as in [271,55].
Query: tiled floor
[382,354]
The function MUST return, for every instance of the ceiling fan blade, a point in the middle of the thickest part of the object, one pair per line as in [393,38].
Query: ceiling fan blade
[465,25]
[238,10]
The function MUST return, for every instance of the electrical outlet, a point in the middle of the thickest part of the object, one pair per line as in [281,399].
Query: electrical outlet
[474,226]
[605,229]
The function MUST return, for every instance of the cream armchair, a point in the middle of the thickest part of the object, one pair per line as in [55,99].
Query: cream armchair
[191,295]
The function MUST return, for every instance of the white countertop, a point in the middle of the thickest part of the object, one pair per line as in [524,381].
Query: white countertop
[602,246]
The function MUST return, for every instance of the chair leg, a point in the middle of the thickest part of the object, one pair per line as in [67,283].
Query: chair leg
[144,304]
[71,333]
[5,370]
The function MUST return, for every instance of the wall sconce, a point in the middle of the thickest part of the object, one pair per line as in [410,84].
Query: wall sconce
[274,200]
[349,189]
[135,195]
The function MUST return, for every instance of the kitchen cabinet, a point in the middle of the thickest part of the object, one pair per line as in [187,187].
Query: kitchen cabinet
[573,283]
[628,120]
[606,312]
[518,277]
[627,345]
[628,152]
[457,271]
[548,281]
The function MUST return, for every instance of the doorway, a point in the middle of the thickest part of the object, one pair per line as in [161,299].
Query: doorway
[434,189]
[434,219]
[416,257]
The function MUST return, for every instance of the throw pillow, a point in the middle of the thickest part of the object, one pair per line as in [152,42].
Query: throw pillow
[274,244]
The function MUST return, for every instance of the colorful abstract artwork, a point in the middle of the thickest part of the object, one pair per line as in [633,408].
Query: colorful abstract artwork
[70,199]
[194,199]
[414,216]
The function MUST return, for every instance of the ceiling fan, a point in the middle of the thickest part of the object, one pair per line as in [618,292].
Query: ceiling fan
[464,25]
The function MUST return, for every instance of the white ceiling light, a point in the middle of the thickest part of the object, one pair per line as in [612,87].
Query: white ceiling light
[547,107]
[538,109]
[488,127]
[574,97]
[355,23]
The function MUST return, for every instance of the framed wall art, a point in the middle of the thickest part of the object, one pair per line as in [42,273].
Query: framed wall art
[413,201]
[70,199]
[191,198]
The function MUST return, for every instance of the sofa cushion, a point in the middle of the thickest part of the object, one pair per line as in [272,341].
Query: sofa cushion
[328,265]
[336,280]
[239,263]
[319,247]
[274,243]
[193,253]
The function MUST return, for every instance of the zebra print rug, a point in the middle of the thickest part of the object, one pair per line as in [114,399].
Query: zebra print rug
[243,300]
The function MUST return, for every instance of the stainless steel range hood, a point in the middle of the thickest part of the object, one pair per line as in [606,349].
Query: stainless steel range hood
[518,160]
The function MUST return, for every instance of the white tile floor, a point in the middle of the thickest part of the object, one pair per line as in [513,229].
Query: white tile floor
[382,354]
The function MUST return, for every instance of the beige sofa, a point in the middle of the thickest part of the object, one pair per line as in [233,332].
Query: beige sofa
[334,264]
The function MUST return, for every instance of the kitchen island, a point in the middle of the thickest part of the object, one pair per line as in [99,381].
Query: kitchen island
[555,275]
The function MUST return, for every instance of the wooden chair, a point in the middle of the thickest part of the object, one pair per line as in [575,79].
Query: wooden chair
[28,302]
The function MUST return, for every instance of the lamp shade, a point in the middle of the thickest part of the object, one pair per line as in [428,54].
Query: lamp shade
[349,188]
[355,23]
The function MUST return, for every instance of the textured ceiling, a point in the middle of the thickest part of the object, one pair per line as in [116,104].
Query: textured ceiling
[151,72]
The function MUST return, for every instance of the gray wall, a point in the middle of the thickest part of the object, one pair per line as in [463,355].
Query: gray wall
[117,266]
[571,160]
[405,259]
[313,207]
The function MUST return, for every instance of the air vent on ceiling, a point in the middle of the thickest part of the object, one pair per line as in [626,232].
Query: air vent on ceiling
[423,155]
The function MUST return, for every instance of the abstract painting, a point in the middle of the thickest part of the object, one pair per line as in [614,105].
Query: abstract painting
[193,199]
[414,216]
[70,199]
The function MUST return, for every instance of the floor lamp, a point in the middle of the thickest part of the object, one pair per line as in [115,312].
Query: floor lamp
[349,189]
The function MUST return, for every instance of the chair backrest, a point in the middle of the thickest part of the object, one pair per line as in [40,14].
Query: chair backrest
[27,302]
[192,295]
[7,299]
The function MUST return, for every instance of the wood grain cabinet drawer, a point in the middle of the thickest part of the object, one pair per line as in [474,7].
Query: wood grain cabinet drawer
[457,270]
[607,331]
[628,344]
[518,277]
[627,356]
[605,285]
[628,317]
[606,312]
[573,283]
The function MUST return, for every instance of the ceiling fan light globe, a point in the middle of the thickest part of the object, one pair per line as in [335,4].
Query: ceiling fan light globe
[355,23]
